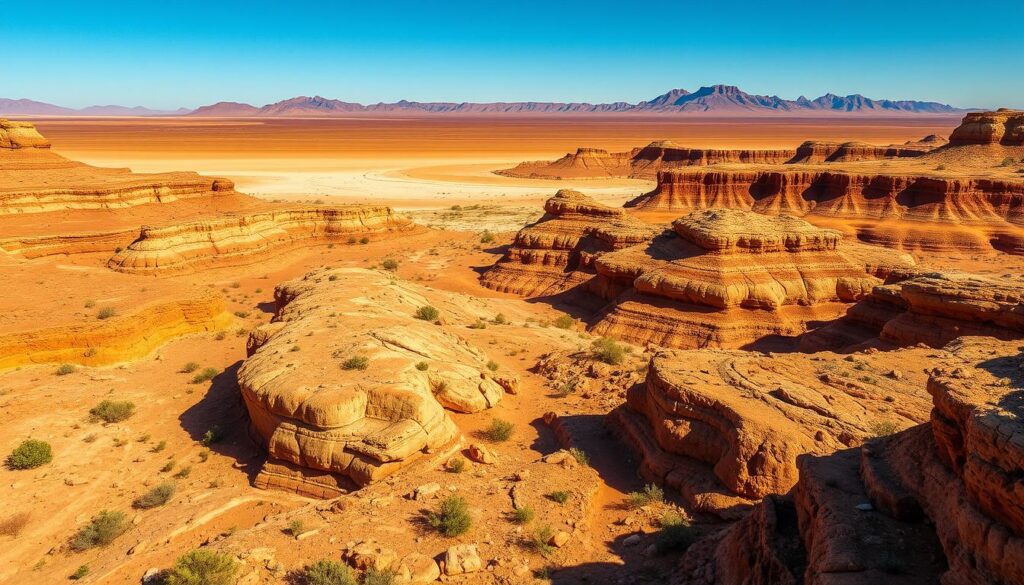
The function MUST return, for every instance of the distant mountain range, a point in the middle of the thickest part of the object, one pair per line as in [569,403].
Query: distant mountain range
[726,100]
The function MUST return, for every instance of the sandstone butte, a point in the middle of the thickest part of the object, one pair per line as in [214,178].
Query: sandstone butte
[160,224]
[939,502]
[718,278]
[960,197]
[645,162]
[330,422]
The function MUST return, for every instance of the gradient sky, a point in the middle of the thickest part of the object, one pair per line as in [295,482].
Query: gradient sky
[188,53]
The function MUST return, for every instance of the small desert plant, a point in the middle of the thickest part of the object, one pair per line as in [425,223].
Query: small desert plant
[189,368]
[1007,162]
[332,277]
[486,237]
[90,304]
[499,430]
[675,534]
[202,567]
[609,351]
[540,539]
[155,497]
[389,265]
[427,313]
[364,240]
[456,465]
[65,369]
[522,515]
[356,362]
[479,324]
[112,411]
[204,455]
[30,454]
[581,456]
[106,313]
[651,494]
[492,366]
[566,388]
[452,518]
[560,496]
[212,435]
[101,531]
[79,573]
[241,314]
[13,525]
[564,322]
[883,428]
[375,576]
[422,366]
[500,319]
[168,466]
[940,168]
[160,446]
[205,376]
[296,527]
[183,472]
[327,572]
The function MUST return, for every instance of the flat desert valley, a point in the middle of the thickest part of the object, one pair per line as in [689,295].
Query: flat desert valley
[513,349]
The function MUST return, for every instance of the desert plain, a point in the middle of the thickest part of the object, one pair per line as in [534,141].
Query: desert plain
[634,349]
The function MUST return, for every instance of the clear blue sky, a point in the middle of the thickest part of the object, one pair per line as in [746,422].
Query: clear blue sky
[188,53]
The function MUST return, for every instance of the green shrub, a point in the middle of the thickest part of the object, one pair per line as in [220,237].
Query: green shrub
[155,497]
[205,376]
[202,567]
[375,576]
[486,237]
[651,494]
[213,435]
[390,265]
[364,240]
[327,572]
[183,472]
[608,351]
[883,428]
[581,456]
[101,531]
[79,573]
[479,324]
[500,319]
[456,465]
[30,454]
[112,411]
[492,366]
[675,534]
[189,368]
[560,496]
[427,313]
[540,538]
[522,515]
[296,527]
[106,313]
[356,362]
[499,430]
[65,369]
[452,518]
[565,322]
[422,366]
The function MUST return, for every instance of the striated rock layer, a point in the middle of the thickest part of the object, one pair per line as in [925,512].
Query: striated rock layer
[233,241]
[726,428]
[332,384]
[557,252]
[118,339]
[1004,127]
[938,503]
[20,135]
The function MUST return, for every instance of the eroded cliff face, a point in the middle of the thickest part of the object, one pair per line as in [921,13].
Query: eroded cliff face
[20,135]
[816,151]
[1004,127]
[939,502]
[234,241]
[332,384]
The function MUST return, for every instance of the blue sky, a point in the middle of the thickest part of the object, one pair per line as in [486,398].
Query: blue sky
[189,53]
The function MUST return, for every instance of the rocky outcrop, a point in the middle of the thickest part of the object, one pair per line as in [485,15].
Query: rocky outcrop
[20,135]
[729,278]
[117,339]
[937,503]
[336,386]
[30,247]
[557,252]
[816,151]
[234,241]
[726,428]
[1004,127]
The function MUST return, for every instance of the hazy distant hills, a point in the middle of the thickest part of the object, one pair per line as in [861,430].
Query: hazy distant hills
[725,100]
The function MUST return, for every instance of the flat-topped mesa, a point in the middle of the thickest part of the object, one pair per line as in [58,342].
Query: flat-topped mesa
[817,151]
[937,503]
[725,428]
[557,252]
[730,278]
[240,240]
[20,135]
[1003,127]
[333,387]
[931,309]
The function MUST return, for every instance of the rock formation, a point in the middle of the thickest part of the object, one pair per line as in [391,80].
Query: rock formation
[939,502]
[333,386]
[557,252]
[33,179]
[815,151]
[232,241]
[726,428]
[118,339]
[1003,127]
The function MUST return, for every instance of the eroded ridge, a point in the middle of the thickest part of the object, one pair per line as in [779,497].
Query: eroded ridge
[240,240]
[937,503]
[348,386]
[557,252]
[726,428]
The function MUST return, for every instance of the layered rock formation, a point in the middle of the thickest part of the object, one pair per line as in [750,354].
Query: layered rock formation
[815,151]
[33,179]
[332,384]
[233,241]
[939,502]
[118,339]
[1004,127]
[726,428]
[557,252]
